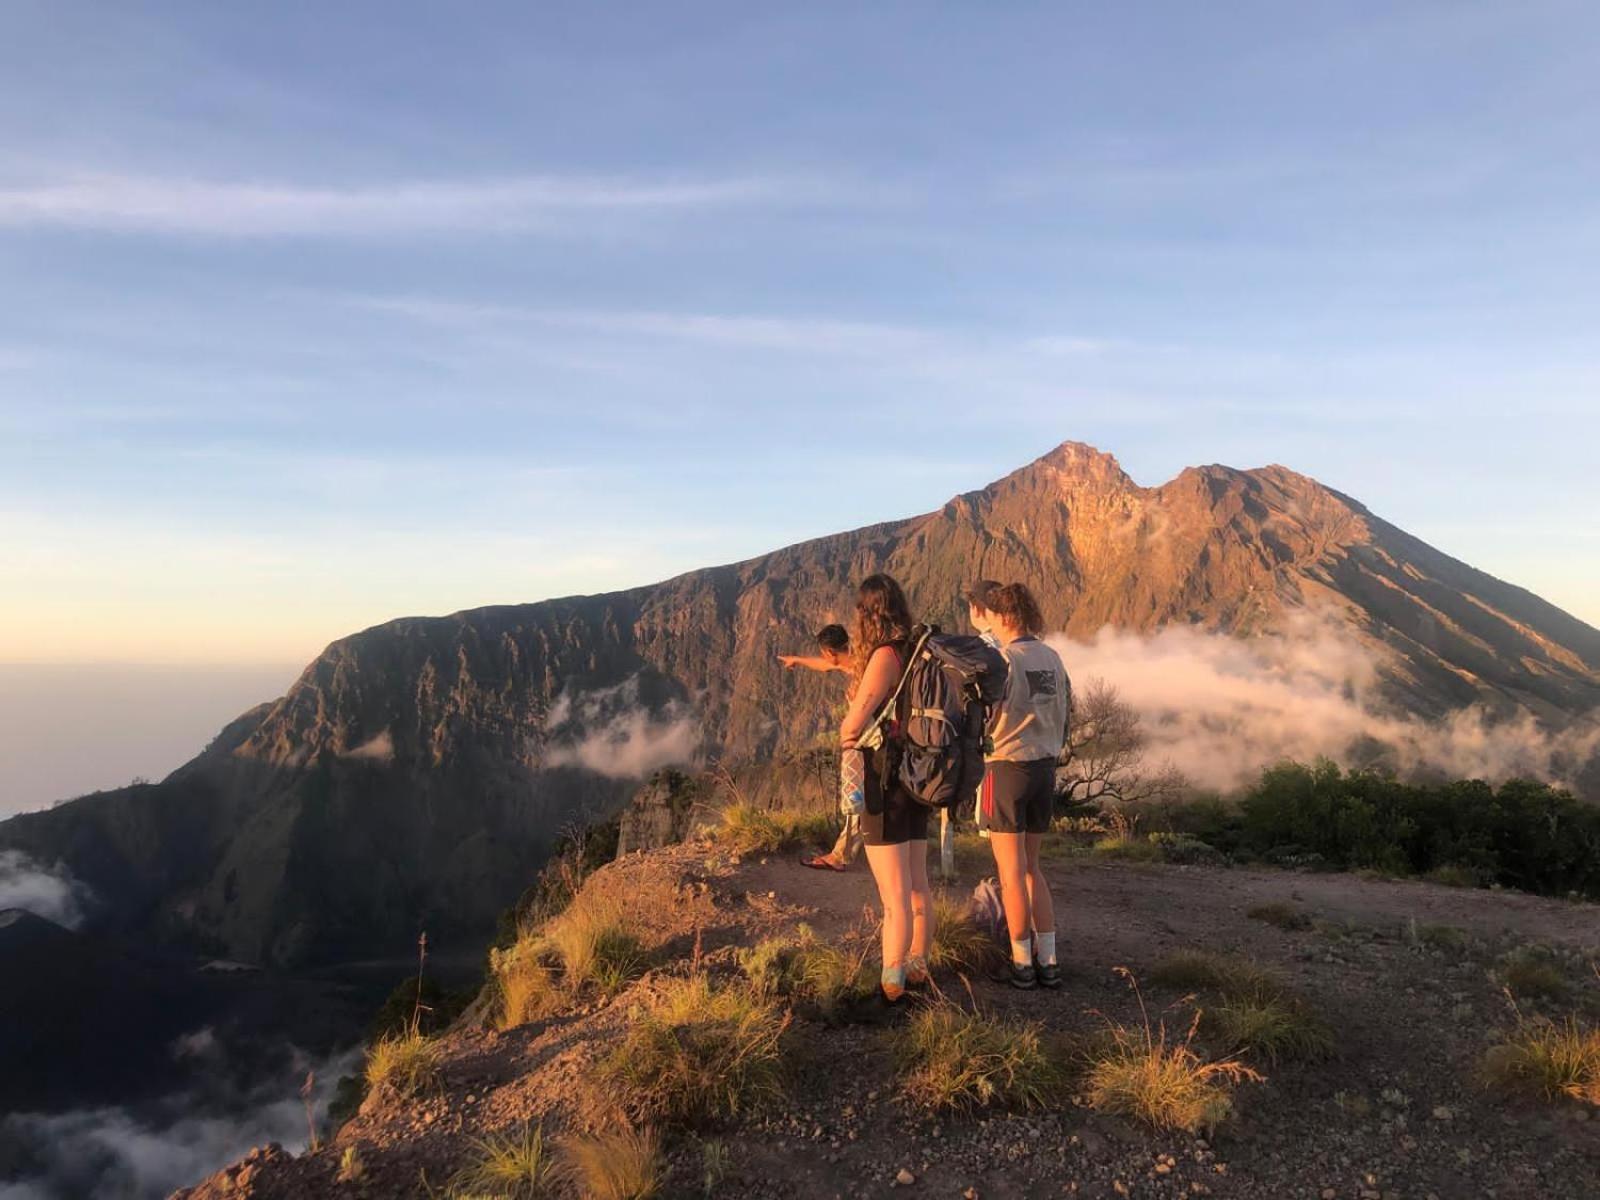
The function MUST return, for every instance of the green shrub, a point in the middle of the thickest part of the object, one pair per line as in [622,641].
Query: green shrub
[1523,835]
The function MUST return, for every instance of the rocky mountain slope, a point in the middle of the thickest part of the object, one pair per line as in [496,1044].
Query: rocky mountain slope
[1406,975]
[418,772]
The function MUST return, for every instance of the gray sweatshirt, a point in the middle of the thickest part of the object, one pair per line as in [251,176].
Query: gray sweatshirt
[1030,722]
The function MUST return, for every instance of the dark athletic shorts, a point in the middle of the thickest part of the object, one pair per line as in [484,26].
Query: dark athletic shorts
[892,816]
[1018,797]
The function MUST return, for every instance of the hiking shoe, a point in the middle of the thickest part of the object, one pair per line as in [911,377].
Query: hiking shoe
[1023,976]
[892,993]
[822,862]
[916,977]
[1048,974]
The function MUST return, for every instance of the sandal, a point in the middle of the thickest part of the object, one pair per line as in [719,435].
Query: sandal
[821,862]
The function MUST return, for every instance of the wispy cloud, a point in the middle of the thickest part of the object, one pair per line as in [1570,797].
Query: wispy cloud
[166,205]
[800,334]
[810,335]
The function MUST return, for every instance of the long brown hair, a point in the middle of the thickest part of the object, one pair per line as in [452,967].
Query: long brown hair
[1015,605]
[881,616]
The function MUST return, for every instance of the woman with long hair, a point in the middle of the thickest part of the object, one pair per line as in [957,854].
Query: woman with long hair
[894,826]
[1027,730]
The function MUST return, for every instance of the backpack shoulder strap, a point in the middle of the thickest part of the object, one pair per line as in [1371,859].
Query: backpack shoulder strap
[872,734]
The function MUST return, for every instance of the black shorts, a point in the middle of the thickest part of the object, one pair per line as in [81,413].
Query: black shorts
[892,816]
[902,820]
[1018,797]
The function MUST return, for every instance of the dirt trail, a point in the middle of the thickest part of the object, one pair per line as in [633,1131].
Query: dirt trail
[1397,1114]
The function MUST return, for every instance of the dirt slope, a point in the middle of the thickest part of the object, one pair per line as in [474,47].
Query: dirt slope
[1398,1113]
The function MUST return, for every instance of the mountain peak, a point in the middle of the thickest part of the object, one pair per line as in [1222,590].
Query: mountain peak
[1079,464]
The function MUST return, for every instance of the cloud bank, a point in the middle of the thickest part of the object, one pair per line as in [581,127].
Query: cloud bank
[149,1151]
[612,732]
[49,892]
[1221,708]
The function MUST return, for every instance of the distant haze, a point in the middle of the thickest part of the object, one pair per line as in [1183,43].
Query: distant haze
[66,730]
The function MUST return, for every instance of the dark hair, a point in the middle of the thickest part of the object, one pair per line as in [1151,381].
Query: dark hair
[1015,605]
[978,594]
[881,616]
[834,637]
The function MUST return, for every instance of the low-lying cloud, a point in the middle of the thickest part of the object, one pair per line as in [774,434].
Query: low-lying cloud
[1221,708]
[49,892]
[149,1151]
[611,731]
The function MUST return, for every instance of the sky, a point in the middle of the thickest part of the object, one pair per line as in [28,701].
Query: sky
[318,315]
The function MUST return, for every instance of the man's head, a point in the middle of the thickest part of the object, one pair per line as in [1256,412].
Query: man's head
[834,643]
[977,597]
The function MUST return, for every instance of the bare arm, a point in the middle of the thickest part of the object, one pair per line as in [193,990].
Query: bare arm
[883,672]
[811,662]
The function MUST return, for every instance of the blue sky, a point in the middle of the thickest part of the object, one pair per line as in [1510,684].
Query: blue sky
[322,314]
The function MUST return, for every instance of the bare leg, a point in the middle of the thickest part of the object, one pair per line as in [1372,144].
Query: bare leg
[1040,902]
[891,871]
[921,902]
[947,846]
[1011,863]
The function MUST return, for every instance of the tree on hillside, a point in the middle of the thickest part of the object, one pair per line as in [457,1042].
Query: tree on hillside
[1105,755]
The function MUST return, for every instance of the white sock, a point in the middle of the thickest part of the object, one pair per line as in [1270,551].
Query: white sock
[1045,946]
[1022,953]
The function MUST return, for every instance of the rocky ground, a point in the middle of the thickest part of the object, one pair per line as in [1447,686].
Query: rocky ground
[1406,973]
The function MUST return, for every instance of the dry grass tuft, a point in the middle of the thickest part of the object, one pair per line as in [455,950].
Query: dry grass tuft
[1529,975]
[406,1062]
[807,970]
[1437,937]
[1274,1026]
[591,939]
[1454,875]
[952,1058]
[1555,1060]
[620,1165]
[959,943]
[529,987]
[1164,1083]
[1284,916]
[699,1050]
[1195,970]
[746,828]
[512,1166]
[1128,847]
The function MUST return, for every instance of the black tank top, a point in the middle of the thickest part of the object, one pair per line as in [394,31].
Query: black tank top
[875,759]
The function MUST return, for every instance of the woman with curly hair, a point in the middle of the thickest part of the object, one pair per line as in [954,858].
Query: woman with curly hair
[894,825]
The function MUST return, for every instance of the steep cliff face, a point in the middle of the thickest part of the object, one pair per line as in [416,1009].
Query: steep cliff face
[417,772]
